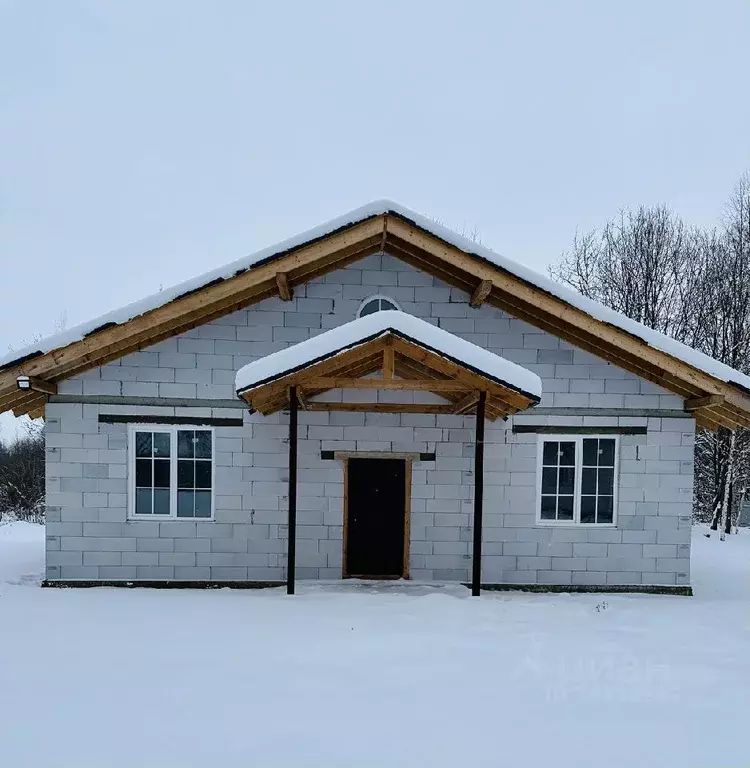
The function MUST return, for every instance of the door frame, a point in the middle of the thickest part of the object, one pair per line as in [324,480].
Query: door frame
[407,459]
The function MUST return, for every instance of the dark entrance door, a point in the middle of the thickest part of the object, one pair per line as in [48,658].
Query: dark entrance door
[376,518]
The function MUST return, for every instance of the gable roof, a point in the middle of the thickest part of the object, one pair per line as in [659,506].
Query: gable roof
[384,226]
[424,356]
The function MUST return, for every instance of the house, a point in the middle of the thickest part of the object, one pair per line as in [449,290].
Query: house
[377,397]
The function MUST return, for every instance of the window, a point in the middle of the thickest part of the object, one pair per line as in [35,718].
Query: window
[577,480]
[171,472]
[376,304]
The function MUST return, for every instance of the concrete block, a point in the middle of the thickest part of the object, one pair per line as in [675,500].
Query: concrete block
[102,558]
[155,545]
[534,563]
[154,572]
[177,559]
[76,572]
[623,578]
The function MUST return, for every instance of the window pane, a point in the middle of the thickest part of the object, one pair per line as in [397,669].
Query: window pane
[565,508]
[161,443]
[567,454]
[385,304]
[143,501]
[161,501]
[606,481]
[185,444]
[143,444]
[203,445]
[567,478]
[605,509]
[203,503]
[588,509]
[143,473]
[549,456]
[590,452]
[202,474]
[548,507]
[161,473]
[588,481]
[607,453]
[549,480]
[185,503]
[369,308]
[186,474]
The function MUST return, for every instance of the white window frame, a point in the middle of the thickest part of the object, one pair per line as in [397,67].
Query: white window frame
[171,429]
[578,440]
[377,296]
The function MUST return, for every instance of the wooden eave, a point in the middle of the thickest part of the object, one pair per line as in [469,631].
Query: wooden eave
[405,366]
[721,403]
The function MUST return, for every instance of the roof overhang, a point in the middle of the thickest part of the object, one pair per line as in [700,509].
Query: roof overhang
[432,370]
[713,392]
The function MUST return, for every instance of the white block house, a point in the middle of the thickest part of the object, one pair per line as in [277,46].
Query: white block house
[269,421]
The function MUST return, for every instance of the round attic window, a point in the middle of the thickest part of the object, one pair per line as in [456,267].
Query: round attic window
[376,304]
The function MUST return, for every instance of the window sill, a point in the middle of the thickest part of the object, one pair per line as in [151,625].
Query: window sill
[168,519]
[568,524]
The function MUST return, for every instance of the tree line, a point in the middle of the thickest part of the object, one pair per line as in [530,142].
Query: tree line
[692,284]
[22,475]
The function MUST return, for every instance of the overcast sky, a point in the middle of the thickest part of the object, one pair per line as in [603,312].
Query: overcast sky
[147,141]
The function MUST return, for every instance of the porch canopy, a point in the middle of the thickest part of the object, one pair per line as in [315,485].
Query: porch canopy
[406,353]
[423,368]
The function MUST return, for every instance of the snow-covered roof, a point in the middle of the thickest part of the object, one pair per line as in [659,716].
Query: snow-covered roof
[363,329]
[653,338]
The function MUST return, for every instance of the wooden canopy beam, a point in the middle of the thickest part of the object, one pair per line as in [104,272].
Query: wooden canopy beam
[481,292]
[36,384]
[435,385]
[282,283]
[301,399]
[388,362]
[465,403]
[381,407]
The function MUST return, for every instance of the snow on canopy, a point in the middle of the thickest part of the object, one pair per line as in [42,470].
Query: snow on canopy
[372,326]
[653,338]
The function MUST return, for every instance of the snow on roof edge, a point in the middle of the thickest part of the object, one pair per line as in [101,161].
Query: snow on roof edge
[363,329]
[598,311]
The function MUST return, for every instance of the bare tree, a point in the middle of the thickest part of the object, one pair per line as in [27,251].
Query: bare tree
[726,336]
[694,286]
[644,264]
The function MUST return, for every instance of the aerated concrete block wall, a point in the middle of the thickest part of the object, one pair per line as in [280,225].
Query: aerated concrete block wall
[89,536]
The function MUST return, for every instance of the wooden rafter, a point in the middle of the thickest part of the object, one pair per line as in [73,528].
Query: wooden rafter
[34,383]
[699,403]
[282,283]
[481,292]
[466,403]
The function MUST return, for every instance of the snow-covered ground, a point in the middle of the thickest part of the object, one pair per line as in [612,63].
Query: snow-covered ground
[373,677]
